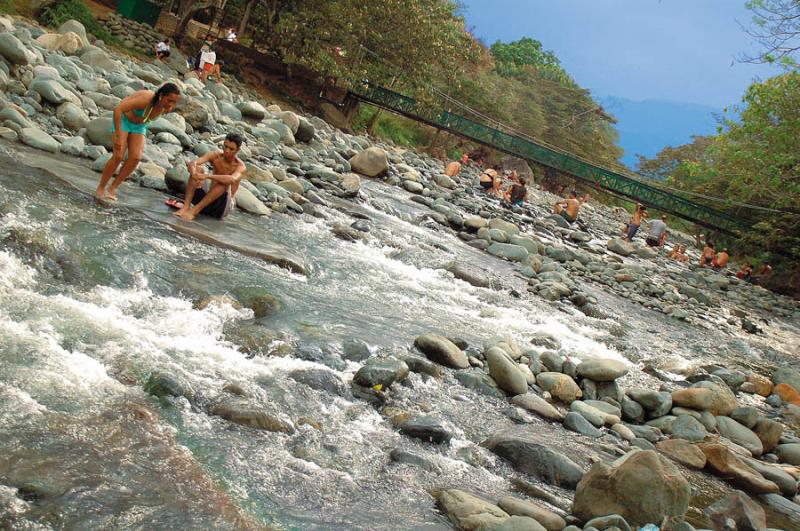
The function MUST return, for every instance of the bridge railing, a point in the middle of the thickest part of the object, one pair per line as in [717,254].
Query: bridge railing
[554,158]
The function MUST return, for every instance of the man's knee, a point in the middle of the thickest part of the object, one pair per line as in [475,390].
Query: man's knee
[133,160]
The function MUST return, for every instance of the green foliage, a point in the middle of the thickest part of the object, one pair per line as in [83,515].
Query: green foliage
[65,10]
[399,130]
[754,161]
[7,6]
[526,58]
[775,25]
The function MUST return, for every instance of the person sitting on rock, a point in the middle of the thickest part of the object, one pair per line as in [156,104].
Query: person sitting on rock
[745,273]
[707,257]
[679,253]
[636,222]
[162,50]
[490,181]
[569,208]
[516,193]
[452,169]
[215,199]
[765,270]
[658,232]
[128,129]
[209,66]
[720,261]
[464,159]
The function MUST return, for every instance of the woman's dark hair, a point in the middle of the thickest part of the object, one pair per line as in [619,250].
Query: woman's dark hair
[165,90]
[235,138]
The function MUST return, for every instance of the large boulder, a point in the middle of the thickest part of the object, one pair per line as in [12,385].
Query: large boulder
[683,452]
[383,372]
[69,43]
[76,28]
[252,109]
[618,489]
[370,162]
[602,370]
[787,376]
[291,120]
[442,351]
[99,132]
[561,386]
[538,405]
[740,434]
[536,459]
[621,246]
[694,398]
[100,61]
[305,131]
[723,402]
[35,137]
[724,462]
[509,251]
[72,116]
[518,507]
[247,201]
[12,49]
[52,91]
[739,508]
[467,511]
[506,372]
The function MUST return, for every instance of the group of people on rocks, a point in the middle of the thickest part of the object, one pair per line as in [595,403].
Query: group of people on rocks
[206,63]
[210,194]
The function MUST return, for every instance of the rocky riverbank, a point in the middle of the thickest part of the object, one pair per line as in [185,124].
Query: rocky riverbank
[653,431]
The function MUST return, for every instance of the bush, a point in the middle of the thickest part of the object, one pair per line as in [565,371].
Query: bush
[57,14]
[7,6]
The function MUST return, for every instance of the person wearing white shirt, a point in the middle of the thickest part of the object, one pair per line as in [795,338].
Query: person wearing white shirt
[209,66]
[162,49]
[231,36]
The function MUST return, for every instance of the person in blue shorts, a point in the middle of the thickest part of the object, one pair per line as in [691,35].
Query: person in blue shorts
[128,130]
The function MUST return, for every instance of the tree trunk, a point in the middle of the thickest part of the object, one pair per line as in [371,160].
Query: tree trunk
[373,122]
[186,11]
[245,18]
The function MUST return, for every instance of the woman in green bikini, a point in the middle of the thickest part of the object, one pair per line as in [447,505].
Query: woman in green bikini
[131,118]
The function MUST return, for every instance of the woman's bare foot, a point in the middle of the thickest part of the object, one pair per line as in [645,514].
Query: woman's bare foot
[188,215]
[111,195]
[100,193]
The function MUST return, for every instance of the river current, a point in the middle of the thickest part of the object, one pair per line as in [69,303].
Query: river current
[94,300]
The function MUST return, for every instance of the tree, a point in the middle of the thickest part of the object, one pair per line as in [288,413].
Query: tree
[674,163]
[520,58]
[187,9]
[776,26]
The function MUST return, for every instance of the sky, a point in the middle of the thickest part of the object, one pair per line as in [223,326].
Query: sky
[675,50]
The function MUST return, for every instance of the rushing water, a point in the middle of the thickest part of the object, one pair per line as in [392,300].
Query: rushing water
[93,300]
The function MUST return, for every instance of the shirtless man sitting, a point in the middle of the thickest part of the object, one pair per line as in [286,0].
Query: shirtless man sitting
[721,260]
[568,209]
[708,255]
[217,200]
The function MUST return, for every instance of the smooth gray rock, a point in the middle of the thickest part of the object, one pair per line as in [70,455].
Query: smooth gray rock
[481,382]
[509,251]
[506,372]
[426,428]
[383,372]
[536,459]
[689,428]
[442,351]
[538,405]
[36,138]
[602,370]
[576,422]
[14,50]
[739,434]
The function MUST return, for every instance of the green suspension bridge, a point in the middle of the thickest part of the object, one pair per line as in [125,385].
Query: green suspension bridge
[526,148]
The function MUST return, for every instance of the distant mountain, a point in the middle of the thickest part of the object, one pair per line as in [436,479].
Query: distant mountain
[646,127]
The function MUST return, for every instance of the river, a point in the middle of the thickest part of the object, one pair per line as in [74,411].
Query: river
[96,299]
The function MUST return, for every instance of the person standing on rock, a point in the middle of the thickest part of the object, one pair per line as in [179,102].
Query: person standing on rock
[568,209]
[658,232]
[636,221]
[490,181]
[216,199]
[128,130]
